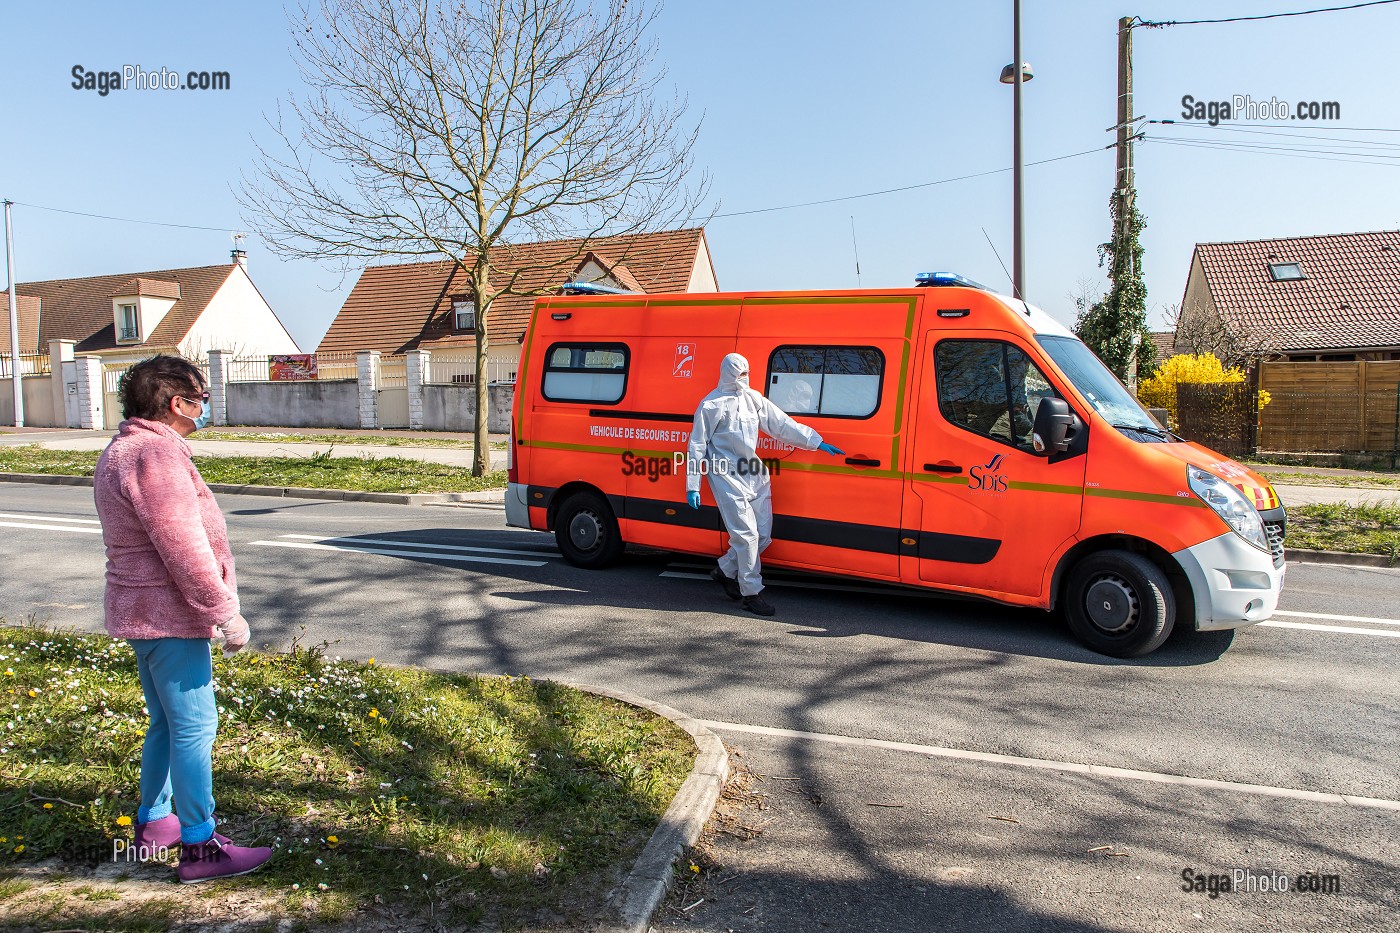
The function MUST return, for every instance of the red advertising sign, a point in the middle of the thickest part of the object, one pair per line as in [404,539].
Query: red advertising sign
[292,367]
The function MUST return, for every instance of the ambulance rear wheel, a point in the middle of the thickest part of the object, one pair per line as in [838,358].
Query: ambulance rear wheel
[587,531]
[1120,604]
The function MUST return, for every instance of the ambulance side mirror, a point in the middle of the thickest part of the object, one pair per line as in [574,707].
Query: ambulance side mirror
[1055,427]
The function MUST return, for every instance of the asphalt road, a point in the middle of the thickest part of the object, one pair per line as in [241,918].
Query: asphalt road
[912,832]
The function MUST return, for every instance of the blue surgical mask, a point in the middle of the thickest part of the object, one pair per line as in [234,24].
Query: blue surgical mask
[205,412]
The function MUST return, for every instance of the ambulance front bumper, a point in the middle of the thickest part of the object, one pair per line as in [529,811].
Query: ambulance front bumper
[1235,583]
[517,509]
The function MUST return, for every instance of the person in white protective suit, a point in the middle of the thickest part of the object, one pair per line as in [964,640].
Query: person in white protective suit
[724,439]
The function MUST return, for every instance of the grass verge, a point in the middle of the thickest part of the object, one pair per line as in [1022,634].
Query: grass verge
[386,793]
[372,440]
[318,471]
[1309,478]
[1359,529]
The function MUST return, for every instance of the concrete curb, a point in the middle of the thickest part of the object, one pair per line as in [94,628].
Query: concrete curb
[1345,558]
[637,898]
[291,492]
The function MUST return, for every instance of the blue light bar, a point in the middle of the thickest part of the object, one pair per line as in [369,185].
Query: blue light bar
[943,279]
[591,288]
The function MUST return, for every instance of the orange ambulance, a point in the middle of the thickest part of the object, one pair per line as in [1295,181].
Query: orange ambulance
[991,454]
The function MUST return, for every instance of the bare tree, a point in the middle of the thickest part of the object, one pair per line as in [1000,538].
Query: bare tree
[440,130]
[1203,330]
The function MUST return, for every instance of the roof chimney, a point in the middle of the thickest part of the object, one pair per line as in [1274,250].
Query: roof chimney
[239,256]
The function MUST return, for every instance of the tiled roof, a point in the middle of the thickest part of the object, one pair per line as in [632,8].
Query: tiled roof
[1349,298]
[404,307]
[157,288]
[81,309]
[27,307]
[1162,342]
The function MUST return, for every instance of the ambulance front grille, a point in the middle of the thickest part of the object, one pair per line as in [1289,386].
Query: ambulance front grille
[1274,532]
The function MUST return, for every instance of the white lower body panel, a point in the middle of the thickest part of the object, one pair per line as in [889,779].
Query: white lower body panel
[1235,583]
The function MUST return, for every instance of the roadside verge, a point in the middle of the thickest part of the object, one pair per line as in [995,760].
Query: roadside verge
[294,492]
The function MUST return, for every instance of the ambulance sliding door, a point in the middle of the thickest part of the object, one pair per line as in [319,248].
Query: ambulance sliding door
[838,365]
[675,363]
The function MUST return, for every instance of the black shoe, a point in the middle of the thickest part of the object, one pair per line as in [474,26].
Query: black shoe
[758,605]
[731,586]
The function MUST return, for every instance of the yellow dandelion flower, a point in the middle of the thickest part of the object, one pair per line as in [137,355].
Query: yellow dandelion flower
[371,661]
[19,849]
[123,820]
[48,806]
[9,673]
[373,713]
[695,868]
[333,840]
[33,693]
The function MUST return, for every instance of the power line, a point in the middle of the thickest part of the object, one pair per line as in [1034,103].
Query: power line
[1150,24]
[1317,139]
[1294,125]
[128,220]
[926,184]
[1239,147]
[1283,147]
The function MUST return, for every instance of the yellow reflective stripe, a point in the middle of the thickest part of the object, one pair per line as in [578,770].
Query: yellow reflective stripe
[1189,501]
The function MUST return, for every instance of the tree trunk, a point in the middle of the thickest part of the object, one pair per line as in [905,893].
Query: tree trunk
[481,283]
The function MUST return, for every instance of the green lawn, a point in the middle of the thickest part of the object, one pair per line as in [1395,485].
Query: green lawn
[318,471]
[374,440]
[462,799]
[1362,529]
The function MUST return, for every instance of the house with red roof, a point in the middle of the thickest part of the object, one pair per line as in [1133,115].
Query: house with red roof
[1326,298]
[132,315]
[428,305]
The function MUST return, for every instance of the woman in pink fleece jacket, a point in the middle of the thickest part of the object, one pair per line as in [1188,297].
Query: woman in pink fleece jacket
[170,587]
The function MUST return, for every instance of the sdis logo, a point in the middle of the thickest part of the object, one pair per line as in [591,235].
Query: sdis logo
[986,477]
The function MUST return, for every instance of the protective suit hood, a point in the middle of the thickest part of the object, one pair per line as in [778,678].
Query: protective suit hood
[730,368]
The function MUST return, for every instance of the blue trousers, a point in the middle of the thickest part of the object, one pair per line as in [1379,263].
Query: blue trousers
[177,676]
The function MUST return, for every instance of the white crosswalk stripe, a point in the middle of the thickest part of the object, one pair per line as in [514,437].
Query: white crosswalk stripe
[348,548]
[433,545]
[80,529]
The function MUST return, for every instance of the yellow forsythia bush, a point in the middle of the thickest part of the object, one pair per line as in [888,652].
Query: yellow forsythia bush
[1160,390]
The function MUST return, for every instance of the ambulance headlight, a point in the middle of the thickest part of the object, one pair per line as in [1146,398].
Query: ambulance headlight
[1230,504]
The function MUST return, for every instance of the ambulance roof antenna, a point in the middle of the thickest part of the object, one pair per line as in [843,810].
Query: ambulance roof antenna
[855,249]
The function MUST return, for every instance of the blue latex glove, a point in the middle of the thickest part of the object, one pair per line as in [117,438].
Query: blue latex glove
[829,449]
[693,499]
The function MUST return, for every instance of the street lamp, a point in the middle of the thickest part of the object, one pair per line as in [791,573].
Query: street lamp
[1016,77]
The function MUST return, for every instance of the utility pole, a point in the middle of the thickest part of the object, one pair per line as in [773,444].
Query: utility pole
[16,383]
[1018,258]
[1123,182]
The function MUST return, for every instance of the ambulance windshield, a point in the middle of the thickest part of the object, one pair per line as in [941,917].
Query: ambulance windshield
[1097,384]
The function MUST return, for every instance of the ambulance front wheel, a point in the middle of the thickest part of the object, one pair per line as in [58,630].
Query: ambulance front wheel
[587,531]
[1120,604]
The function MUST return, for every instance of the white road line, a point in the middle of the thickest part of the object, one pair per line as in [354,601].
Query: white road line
[49,518]
[457,558]
[424,544]
[1341,629]
[840,587]
[1070,766]
[81,530]
[1323,615]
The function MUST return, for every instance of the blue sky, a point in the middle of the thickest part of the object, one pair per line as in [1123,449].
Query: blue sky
[801,101]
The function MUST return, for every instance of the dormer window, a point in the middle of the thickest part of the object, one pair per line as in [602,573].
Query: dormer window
[463,313]
[128,330]
[1286,271]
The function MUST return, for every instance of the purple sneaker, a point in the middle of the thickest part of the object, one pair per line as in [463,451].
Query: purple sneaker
[163,833]
[218,858]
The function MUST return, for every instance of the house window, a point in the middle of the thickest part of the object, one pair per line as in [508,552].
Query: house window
[463,314]
[1286,271]
[836,382]
[126,323]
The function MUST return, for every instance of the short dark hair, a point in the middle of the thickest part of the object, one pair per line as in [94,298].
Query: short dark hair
[147,388]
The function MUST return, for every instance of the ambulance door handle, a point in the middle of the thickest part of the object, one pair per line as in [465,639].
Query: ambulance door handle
[862,461]
[941,468]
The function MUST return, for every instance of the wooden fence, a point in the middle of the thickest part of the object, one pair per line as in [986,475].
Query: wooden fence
[1330,406]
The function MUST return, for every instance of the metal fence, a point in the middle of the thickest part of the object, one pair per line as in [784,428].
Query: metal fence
[327,367]
[30,364]
[461,370]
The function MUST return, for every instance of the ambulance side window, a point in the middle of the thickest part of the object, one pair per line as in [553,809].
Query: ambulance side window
[990,388]
[586,372]
[835,382]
